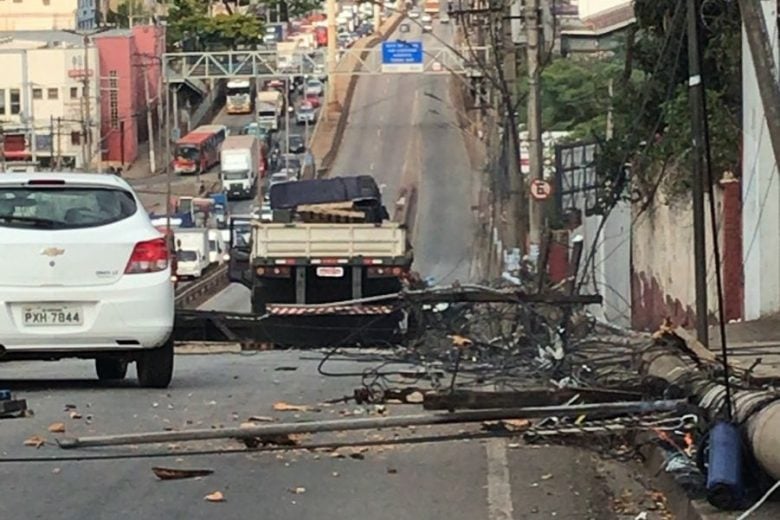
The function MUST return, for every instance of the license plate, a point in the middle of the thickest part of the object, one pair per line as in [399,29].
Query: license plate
[330,272]
[52,315]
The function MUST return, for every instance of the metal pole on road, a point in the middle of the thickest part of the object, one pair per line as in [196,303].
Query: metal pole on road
[615,408]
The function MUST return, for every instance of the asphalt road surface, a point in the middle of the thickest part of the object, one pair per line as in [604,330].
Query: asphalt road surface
[488,479]
[403,130]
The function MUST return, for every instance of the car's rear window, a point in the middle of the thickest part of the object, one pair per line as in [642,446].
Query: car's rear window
[63,207]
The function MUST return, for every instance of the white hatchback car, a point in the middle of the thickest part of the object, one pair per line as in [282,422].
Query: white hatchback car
[83,273]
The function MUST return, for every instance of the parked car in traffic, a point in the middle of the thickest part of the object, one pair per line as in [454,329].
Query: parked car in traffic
[305,113]
[313,86]
[83,273]
[297,144]
[313,99]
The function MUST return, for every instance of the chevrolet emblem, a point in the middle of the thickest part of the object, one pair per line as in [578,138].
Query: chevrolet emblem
[53,251]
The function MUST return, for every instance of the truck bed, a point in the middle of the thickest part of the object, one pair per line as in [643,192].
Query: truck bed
[304,240]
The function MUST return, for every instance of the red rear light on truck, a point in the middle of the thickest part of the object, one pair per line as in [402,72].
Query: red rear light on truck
[150,256]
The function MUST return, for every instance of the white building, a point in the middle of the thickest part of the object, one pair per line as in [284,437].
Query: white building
[38,15]
[47,94]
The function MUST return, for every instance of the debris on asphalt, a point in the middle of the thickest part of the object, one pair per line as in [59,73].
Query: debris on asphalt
[176,473]
[285,369]
[335,474]
[57,427]
[460,341]
[56,471]
[216,496]
[297,490]
[288,439]
[392,471]
[36,441]
[261,418]
[69,407]
[75,415]
[281,406]
[10,407]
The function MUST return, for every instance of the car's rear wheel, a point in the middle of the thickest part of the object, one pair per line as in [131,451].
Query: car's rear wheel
[155,367]
[111,369]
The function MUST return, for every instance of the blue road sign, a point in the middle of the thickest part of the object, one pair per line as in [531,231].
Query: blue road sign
[402,56]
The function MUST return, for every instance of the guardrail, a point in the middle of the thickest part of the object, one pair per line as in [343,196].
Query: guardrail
[196,293]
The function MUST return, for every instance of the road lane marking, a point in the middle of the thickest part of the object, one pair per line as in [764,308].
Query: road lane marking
[379,132]
[499,490]
[371,167]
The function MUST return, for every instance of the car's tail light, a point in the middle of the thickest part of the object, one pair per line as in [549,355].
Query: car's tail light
[148,257]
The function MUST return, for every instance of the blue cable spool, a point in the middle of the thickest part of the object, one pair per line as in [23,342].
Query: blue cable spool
[725,487]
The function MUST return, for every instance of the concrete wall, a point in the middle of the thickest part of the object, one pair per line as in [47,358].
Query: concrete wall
[36,15]
[760,190]
[662,271]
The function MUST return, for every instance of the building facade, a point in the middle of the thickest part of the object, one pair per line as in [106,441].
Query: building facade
[49,98]
[38,15]
[130,61]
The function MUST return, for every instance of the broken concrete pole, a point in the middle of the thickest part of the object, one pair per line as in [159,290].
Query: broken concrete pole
[595,409]
[671,360]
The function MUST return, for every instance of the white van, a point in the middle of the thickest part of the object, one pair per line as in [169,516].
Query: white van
[192,252]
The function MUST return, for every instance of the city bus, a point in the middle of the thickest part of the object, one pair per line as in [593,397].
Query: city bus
[199,150]
[240,96]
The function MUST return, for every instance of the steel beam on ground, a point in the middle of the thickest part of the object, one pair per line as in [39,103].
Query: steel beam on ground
[187,66]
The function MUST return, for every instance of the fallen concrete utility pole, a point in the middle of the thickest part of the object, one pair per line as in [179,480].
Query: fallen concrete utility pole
[670,359]
[597,409]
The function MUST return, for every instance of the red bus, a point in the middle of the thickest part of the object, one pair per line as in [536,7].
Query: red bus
[199,150]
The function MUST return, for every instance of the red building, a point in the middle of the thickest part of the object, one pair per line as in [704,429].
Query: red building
[130,63]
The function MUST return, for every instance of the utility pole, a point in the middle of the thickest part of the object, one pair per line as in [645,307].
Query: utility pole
[765,68]
[377,17]
[330,61]
[535,158]
[87,107]
[150,126]
[696,96]
[51,142]
[516,214]
[59,143]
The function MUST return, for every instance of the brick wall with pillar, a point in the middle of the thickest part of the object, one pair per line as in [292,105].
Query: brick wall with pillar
[733,275]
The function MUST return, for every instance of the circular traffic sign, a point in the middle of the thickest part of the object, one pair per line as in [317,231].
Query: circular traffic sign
[540,190]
